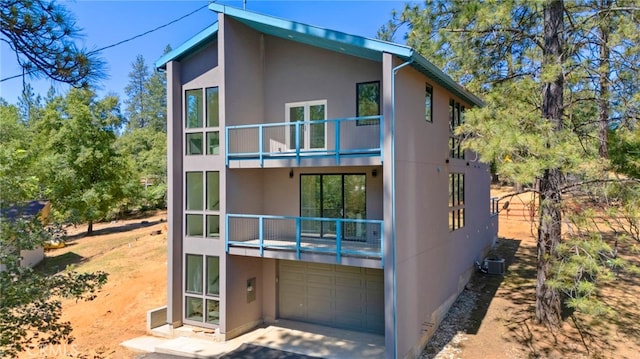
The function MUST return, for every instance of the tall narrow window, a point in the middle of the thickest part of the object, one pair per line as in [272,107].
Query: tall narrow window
[213,108]
[193,103]
[213,191]
[456,201]
[368,102]
[213,276]
[194,274]
[428,103]
[455,120]
[194,191]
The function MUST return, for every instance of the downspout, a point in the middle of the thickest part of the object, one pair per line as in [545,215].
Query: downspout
[393,200]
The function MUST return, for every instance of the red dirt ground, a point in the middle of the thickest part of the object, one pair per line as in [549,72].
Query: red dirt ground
[501,325]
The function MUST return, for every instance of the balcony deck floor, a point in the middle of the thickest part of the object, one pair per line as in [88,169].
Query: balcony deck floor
[314,244]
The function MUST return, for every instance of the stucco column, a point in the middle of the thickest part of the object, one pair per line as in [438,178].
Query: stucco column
[389,231]
[174,194]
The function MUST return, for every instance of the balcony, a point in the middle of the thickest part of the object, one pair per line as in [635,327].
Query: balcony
[346,141]
[328,240]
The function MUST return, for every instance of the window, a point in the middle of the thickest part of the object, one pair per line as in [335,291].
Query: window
[194,225]
[312,131]
[213,226]
[202,121]
[194,190]
[213,276]
[193,105]
[213,107]
[456,112]
[194,274]
[334,196]
[428,103]
[194,143]
[200,205]
[213,143]
[368,102]
[213,191]
[202,305]
[456,201]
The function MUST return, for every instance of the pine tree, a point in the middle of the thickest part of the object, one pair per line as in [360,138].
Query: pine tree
[137,95]
[41,33]
[553,76]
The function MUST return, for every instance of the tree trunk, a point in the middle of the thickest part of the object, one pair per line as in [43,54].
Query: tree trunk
[90,228]
[548,309]
[603,71]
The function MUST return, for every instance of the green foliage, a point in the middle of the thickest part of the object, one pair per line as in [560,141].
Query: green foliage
[551,140]
[42,34]
[17,182]
[145,141]
[30,307]
[146,98]
[624,150]
[84,173]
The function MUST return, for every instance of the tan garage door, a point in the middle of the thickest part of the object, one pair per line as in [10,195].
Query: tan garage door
[332,295]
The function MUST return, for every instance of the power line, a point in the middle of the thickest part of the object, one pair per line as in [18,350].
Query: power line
[150,31]
[117,43]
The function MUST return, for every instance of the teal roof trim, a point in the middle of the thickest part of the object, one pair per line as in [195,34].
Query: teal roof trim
[323,38]
[344,43]
[189,47]
[426,67]
[314,35]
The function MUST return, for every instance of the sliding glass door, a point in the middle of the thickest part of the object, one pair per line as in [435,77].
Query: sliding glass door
[333,196]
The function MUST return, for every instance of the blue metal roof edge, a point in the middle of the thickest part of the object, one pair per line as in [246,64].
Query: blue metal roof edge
[319,32]
[188,46]
[402,51]
[446,81]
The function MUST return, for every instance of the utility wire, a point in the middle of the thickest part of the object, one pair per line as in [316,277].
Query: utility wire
[150,31]
[117,43]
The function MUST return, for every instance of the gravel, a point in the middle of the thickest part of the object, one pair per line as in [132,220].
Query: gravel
[446,342]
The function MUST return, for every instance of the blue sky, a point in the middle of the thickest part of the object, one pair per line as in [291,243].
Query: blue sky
[108,22]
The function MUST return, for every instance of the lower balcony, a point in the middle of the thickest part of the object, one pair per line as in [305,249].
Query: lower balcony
[327,240]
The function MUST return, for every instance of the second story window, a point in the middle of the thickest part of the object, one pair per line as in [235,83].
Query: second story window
[368,102]
[202,122]
[456,113]
[428,103]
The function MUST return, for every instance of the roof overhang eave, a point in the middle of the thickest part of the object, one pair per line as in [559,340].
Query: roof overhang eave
[189,47]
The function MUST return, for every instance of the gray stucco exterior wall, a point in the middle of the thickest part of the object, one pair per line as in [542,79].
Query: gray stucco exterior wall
[424,265]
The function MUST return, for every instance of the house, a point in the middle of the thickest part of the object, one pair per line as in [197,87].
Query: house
[28,257]
[314,176]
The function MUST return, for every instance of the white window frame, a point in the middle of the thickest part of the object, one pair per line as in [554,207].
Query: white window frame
[306,146]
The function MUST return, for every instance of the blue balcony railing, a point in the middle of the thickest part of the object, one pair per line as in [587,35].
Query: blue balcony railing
[355,136]
[336,236]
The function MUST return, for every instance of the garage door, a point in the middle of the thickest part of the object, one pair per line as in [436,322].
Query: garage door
[332,295]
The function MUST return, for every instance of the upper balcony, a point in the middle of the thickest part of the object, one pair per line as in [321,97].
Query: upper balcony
[335,142]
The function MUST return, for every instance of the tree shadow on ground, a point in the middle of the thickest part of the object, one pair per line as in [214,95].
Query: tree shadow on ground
[580,335]
[472,304]
[116,229]
[56,264]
